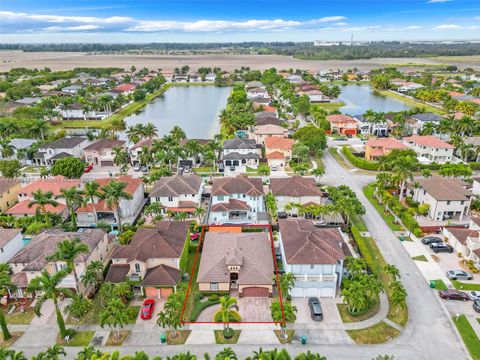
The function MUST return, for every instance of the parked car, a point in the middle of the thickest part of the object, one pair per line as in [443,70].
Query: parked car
[441,247]
[474,295]
[452,294]
[137,168]
[147,309]
[476,305]
[315,309]
[144,169]
[457,274]
[88,169]
[427,240]
[273,167]
[282,215]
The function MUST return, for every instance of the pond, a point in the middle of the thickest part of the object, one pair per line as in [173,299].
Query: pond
[359,98]
[194,108]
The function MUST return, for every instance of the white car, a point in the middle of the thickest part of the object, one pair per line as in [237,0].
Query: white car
[273,167]
[474,295]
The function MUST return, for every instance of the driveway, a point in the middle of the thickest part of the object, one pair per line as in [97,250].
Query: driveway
[331,317]
[255,309]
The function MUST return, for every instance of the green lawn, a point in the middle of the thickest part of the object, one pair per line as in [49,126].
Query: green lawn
[92,317]
[465,286]
[19,318]
[180,337]
[420,258]
[288,340]
[387,216]
[348,318]
[440,285]
[194,285]
[331,106]
[376,334]
[471,340]
[9,342]
[219,339]
[81,338]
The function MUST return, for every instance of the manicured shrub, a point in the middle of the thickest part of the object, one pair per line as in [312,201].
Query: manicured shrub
[359,162]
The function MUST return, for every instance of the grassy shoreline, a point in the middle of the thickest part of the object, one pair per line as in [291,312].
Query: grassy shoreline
[411,102]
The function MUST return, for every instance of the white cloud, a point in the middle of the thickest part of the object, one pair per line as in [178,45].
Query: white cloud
[455,27]
[437,1]
[19,21]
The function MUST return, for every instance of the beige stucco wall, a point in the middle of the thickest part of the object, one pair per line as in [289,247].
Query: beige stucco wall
[269,287]
[9,197]
[221,287]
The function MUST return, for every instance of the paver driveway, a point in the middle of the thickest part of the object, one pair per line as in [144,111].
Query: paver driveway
[255,309]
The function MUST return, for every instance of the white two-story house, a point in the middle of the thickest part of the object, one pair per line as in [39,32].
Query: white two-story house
[430,148]
[178,193]
[238,154]
[366,127]
[296,190]
[314,256]
[237,200]
[69,146]
[447,198]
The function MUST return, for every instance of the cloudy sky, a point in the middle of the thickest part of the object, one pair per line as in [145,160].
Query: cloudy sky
[236,20]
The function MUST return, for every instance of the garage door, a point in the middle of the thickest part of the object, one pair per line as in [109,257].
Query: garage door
[325,292]
[165,292]
[255,292]
[106,163]
[297,292]
[350,131]
[152,292]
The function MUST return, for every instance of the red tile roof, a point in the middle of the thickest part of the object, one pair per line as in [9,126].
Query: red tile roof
[278,143]
[125,87]
[430,141]
[54,185]
[341,118]
[275,155]
[231,205]
[22,208]
[387,143]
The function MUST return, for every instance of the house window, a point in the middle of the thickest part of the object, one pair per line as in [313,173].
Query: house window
[213,286]
[137,267]
[244,196]
[448,202]
[170,198]
[220,198]
[312,266]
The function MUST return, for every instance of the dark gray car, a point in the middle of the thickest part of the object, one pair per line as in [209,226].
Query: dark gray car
[316,311]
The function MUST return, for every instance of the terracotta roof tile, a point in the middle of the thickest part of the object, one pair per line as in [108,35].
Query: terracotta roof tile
[54,184]
[294,186]
[22,208]
[272,142]
[162,275]
[237,185]
[430,141]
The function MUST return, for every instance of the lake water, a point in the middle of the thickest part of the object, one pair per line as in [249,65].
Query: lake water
[359,98]
[194,108]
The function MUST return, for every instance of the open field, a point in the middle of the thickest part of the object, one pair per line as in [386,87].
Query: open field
[67,60]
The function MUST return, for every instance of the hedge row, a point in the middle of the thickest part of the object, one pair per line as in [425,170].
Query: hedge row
[359,162]
[404,214]
[372,257]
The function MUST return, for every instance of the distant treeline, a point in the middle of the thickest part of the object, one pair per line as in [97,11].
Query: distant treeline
[302,50]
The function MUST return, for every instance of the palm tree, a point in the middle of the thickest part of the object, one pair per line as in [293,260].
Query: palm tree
[199,211]
[283,313]
[115,316]
[78,307]
[7,150]
[392,270]
[318,172]
[88,352]
[226,312]
[117,125]
[170,316]
[93,275]
[43,199]
[120,156]
[177,133]
[403,169]
[226,354]
[91,191]
[11,354]
[73,199]
[113,193]
[54,352]
[399,293]
[150,130]
[287,281]
[146,156]
[5,285]
[193,149]
[37,128]
[310,356]
[68,251]
[47,285]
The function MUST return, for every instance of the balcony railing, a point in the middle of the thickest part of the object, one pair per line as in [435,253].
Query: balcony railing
[316,278]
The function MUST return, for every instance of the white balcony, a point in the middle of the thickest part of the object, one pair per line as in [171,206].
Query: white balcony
[316,278]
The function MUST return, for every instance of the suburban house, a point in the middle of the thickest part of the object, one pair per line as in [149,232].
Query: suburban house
[78,111]
[314,256]
[266,118]
[154,260]
[11,241]
[237,200]
[366,127]
[29,262]
[476,186]
[278,146]
[72,89]
[136,149]
[342,124]
[129,209]
[260,132]
[416,122]
[376,148]
[210,77]
[179,193]
[69,146]
[18,145]
[53,185]
[238,154]
[236,263]
[8,193]
[124,89]
[101,152]
[295,189]
[462,239]
[430,149]
[448,198]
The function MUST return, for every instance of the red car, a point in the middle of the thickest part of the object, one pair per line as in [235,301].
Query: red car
[147,309]
[452,294]
[194,236]
[88,169]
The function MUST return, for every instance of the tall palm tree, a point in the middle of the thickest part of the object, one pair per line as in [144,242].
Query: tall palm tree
[117,125]
[73,199]
[150,130]
[403,169]
[283,313]
[120,156]
[47,285]
[115,315]
[6,149]
[42,199]
[68,251]
[91,192]
[226,311]
[113,193]
[93,274]
[146,156]
[392,270]
[5,285]
[177,133]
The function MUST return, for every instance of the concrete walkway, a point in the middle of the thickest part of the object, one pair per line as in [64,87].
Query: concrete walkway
[378,317]
[474,324]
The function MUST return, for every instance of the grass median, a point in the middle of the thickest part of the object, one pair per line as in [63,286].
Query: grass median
[386,215]
[470,338]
